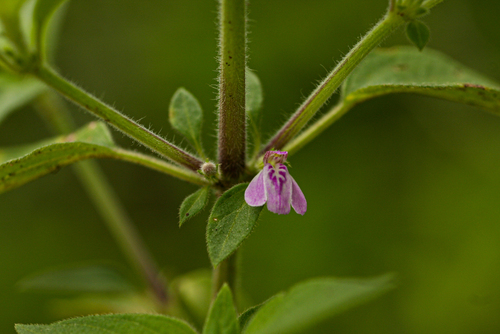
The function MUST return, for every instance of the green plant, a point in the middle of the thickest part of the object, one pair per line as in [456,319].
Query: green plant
[232,220]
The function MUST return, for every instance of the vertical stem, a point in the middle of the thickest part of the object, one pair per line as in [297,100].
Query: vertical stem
[232,58]
[226,272]
[106,201]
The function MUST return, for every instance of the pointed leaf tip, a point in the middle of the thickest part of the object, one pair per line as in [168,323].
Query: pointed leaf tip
[418,33]
[186,116]
[193,204]
[222,317]
[310,302]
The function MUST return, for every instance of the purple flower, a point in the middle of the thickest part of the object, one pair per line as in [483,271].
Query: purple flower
[276,186]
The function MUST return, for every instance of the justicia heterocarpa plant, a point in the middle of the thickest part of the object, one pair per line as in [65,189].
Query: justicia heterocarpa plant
[241,157]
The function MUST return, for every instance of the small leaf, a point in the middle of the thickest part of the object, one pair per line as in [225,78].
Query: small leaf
[9,21]
[112,323]
[418,33]
[310,302]
[431,73]
[253,102]
[421,11]
[42,13]
[193,204]
[16,92]
[231,221]
[186,116]
[78,279]
[222,317]
[254,96]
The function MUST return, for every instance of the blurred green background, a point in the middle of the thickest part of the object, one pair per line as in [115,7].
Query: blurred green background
[401,184]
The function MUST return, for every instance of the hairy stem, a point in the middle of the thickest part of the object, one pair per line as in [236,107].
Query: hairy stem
[121,227]
[329,85]
[106,201]
[336,112]
[116,119]
[232,58]
[392,5]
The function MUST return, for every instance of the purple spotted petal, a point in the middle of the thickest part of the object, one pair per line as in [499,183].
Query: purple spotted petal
[278,186]
[299,202]
[255,195]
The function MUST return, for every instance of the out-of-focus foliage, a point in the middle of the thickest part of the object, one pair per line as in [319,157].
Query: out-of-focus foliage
[401,183]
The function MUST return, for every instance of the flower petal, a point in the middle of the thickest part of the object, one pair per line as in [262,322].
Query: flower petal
[299,202]
[255,195]
[278,187]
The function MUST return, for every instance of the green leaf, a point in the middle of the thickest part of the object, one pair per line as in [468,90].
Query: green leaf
[9,22]
[248,315]
[186,116]
[16,92]
[42,13]
[312,301]
[112,323]
[222,317]
[253,106]
[431,73]
[418,33]
[193,204]
[94,141]
[231,221]
[78,279]
[254,97]
[93,133]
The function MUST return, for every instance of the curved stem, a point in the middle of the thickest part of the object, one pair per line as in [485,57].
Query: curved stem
[327,87]
[121,227]
[232,58]
[116,119]
[106,201]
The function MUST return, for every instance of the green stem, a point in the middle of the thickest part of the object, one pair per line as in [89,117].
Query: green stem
[120,226]
[106,201]
[329,85]
[431,3]
[392,5]
[226,272]
[232,58]
[160,165]
[336,112]
[116,119]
